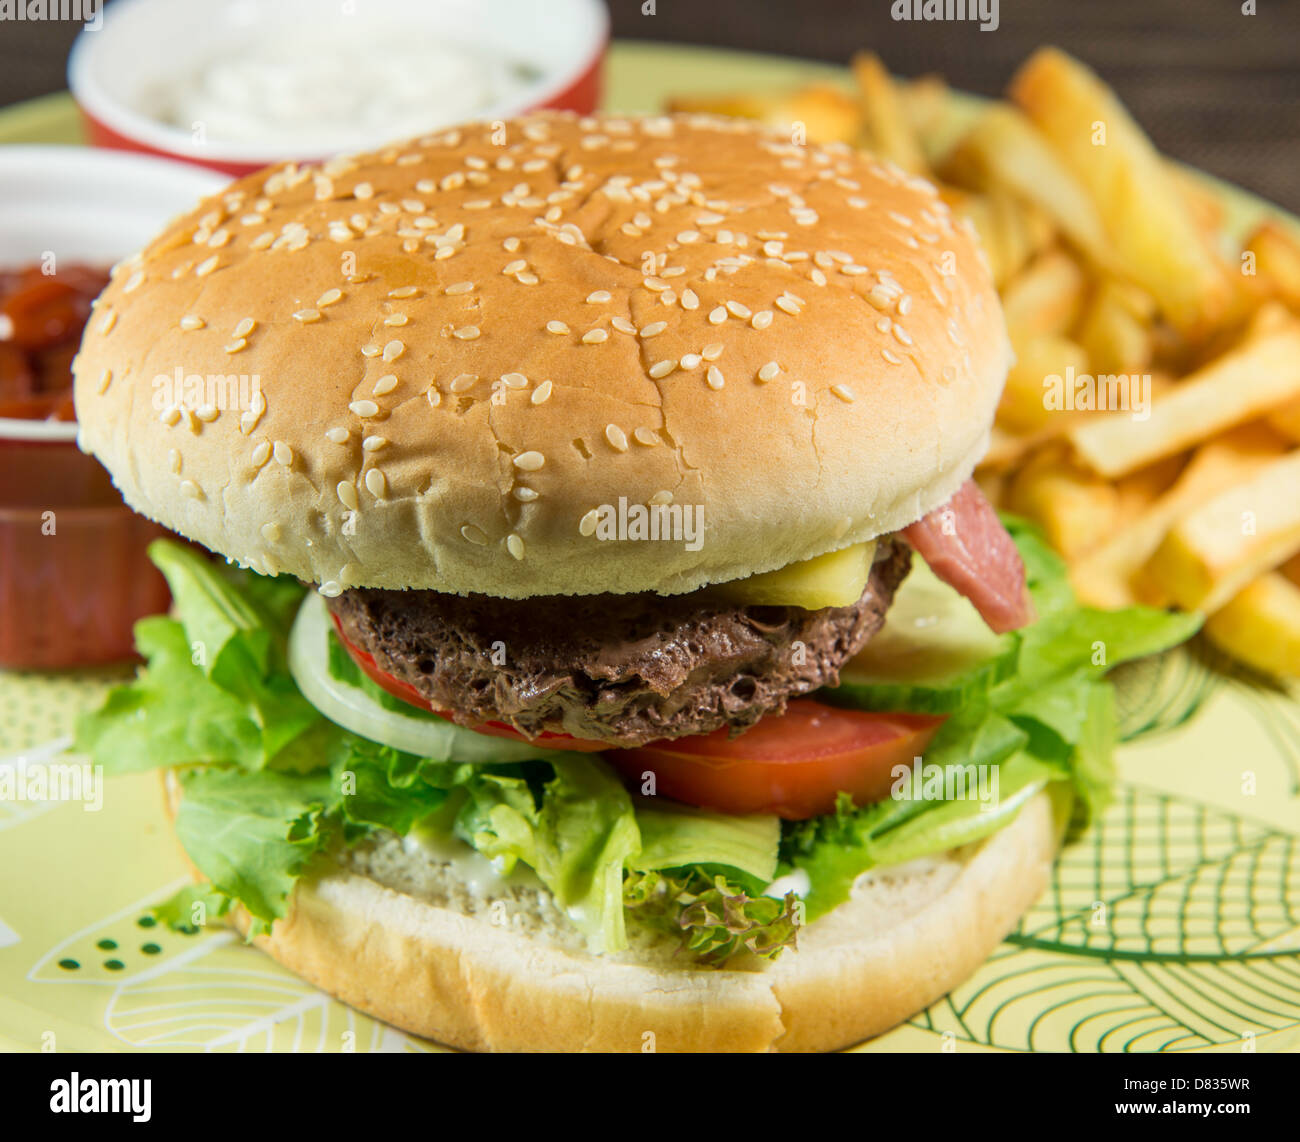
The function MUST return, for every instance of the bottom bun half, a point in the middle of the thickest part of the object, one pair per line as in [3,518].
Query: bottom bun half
[402,937]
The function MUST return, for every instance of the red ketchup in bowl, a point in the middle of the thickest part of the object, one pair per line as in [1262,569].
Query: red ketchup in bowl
[74,576]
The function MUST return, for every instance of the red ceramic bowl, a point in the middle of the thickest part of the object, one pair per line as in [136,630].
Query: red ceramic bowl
[135,79]
[74,576]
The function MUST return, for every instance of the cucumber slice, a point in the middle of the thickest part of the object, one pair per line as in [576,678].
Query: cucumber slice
[933,655]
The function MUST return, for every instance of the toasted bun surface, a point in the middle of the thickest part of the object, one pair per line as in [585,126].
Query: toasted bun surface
[407,941]
[466,343]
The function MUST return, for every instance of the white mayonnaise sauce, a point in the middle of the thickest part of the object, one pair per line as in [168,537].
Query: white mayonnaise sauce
[340,79]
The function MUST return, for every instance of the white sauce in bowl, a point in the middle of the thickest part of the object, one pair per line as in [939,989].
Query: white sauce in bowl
[291,85]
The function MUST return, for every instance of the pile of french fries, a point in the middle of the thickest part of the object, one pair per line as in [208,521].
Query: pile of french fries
[1118,268]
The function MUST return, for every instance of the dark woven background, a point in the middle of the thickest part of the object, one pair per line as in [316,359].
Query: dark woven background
[1214,87]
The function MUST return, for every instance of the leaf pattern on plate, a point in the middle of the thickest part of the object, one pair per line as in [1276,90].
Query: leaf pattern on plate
[1169,925]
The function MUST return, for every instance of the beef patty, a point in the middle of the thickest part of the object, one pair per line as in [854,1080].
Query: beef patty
[626,669]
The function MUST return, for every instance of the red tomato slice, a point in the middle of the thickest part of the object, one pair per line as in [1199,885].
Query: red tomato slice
[400,688]
[792,764]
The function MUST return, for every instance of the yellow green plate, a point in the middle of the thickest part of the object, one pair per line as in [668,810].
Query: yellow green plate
[1174,925]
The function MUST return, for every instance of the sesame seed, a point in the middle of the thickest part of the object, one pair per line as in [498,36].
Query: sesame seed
[645,436]
[515,545]
[207,413]
[374,443]
[459,287]
[466,332]
[542,393]
[769,372]
[556,327]
[307,315]
[714,377]
[261,453]
[786,305]
[654,284]
[902,334]
[712,351]
[376,483]
[587,525]
[515,266]
[396,319]
[762,319]
[623,325]
[363,190]
[654,328]
[337,435]
[599,297]
[202,270]
[262,241]
[331,589]
[347,494]
[514,380]
[529,461]
[511,244]
[110,319]
[817,277]
[364,408]
[329,297]
[525,495]
[617,437]
[244,328]
[717,316]
[283,453]
[136,280]
[386,384]
[191,490]
[737,310]
[690,361]
[395,349]
[690,299]
[891,357]
[688,236]
[474,534]
[235,346]
[189,322]
[843,392]
[662,368]
[271,532]
[433,396]
[594,336]
[709,218]
[105,379]
[169,416]
[462,382]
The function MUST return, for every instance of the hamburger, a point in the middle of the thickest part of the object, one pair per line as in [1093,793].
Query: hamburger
[613,649]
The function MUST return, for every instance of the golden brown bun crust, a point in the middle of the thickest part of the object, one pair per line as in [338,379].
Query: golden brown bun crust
[902,942]
[447,257]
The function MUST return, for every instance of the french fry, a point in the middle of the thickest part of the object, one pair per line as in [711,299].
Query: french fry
[1214,551]
[1204,206]
[1075,509]
[1145,218]
[1261,374]
[1023,408]
[1104,578]
[1117,340]
[889,132]
[1277,261]
[828,114]
[1045,297]
[1004,149]
[1260,626]
[925,102]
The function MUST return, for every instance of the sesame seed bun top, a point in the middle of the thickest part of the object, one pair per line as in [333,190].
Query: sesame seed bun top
[458,349]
